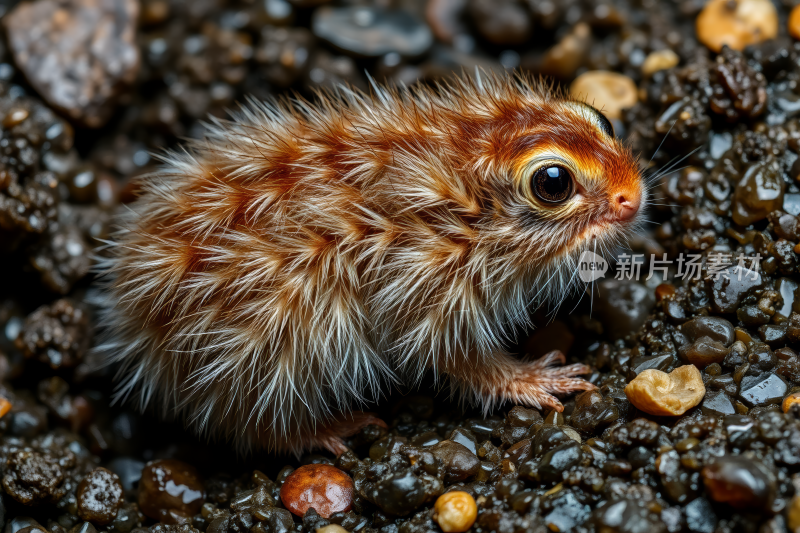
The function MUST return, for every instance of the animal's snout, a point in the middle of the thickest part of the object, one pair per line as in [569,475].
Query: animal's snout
[626,205]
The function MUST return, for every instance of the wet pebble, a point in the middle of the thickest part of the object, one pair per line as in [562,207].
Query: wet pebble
[372,31]
[170,485]
[764,389]
[322,487]
[740,482]
[99,496]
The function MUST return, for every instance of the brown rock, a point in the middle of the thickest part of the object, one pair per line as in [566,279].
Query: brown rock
[99,496]
[167,485]
[323,487]
[736,23]
[78,54]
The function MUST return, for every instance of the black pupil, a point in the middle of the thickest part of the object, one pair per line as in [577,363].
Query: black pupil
[552,184]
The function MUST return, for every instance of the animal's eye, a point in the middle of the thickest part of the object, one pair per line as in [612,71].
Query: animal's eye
[552,184]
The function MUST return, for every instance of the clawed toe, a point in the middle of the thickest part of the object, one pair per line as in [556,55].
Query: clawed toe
[538,381]
[331,437]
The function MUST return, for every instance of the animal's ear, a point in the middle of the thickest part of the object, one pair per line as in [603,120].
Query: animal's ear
[591,113]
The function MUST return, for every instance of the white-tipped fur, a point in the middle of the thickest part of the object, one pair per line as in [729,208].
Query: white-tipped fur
[297,259]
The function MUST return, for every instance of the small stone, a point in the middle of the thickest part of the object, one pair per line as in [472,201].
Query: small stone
[793,514]
[718,404]
[458,461]
[732,286]
[169,484]
[32,478]
[765,389]
[5,407]
[758,193]
[592,411]
[558,460]
[700,516]
[455,512]
[740,482]
[372,31]
[398,494]
[661,394]
[736,23]
[659,60]
[626,516]
[789,401]
[99,496]
[622,306]
[715,328]
[502,22]
[332,528]
[794,28]
[78,55]
[322,487]
[57,334]
[564,58]
[607,91]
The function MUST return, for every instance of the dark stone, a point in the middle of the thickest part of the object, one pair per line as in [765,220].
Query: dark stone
[555,462]
[78,55]
[593,411]
[626,516]
[727,291]
[740,482]
[765,389]
[664,362]
[458,461]
[717,404]
[398,494]
[372,31]
[99,496]
[700,516]
[622,306]
[715,328]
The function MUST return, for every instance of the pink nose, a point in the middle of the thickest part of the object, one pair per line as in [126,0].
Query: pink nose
[626,205]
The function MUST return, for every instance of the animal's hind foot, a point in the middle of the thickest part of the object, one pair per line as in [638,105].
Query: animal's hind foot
[332,435]
[535,383]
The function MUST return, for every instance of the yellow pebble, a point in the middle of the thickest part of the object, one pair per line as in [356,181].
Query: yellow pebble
[659,60]
[455,511]
[332,528]
[736,23]
[606,91]
[661,394]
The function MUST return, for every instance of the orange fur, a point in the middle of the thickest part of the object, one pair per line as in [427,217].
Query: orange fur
[284,268]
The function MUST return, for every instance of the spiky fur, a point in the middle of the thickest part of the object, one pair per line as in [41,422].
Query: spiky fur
[284,268]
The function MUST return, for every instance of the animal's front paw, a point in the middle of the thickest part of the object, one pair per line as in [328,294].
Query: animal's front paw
[535,383]
[331,437]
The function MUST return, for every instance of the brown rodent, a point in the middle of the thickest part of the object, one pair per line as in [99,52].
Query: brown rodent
[287,267]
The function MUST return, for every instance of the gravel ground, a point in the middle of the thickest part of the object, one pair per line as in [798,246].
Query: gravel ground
[91,89]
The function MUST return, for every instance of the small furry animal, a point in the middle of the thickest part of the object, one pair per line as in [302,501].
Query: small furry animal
[282,270]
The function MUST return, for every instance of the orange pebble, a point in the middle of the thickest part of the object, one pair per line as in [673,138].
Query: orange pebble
[794,22]
[5,407]
[789,401]
[325,488]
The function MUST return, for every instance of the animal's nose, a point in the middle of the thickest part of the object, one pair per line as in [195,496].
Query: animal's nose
[626,205]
